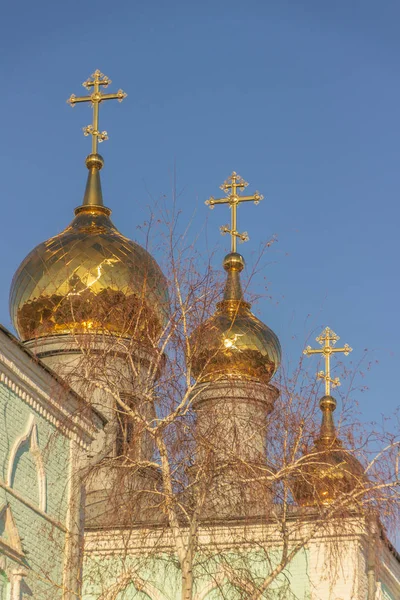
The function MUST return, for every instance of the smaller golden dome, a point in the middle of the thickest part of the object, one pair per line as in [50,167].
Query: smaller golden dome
[233,343]
[328,470]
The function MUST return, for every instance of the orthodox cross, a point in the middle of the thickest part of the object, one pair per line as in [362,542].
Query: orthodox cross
[96,81]
[231,187]
[327,339]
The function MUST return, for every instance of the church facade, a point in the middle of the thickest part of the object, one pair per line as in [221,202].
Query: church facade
[126,475]
[42,438]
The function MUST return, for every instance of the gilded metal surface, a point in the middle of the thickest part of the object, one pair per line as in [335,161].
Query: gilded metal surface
[328,470]
[231,187]
[93,193]
[233,343]
[327,474]
[327,338]
[89,277]
[97,81]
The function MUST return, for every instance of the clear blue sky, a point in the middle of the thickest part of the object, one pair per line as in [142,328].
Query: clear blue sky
[301,98]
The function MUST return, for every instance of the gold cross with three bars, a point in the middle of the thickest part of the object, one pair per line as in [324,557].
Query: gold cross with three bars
[97,80]
[327,338]
[231,187]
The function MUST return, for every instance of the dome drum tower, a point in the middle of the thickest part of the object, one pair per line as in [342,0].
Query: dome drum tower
[231,438]
[233,357]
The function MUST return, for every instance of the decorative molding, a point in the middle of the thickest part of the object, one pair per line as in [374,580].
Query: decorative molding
[29,437]
[142,586]
[150,590]
[10,543]
[226,536]
[229,390]
[69,423]
[74,520]
[18,584]
[212,585]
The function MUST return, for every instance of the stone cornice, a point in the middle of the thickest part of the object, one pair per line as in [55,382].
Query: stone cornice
[235,391]
[220,537]
[35,385]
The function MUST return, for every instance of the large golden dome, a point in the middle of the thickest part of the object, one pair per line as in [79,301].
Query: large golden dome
[233,343]
[89,277]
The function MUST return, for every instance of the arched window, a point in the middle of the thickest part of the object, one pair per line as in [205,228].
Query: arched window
[26,472]
[131,587]
[130,435]
[131,593]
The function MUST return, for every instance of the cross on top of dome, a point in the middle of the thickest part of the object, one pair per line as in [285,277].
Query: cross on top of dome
[96,81]
[327,339]
[231,186]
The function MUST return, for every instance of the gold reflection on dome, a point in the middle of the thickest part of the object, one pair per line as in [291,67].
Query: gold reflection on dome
[328,470]
[233,343]
[89,277]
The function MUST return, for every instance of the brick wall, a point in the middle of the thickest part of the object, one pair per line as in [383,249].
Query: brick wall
[41,532]
[160,576]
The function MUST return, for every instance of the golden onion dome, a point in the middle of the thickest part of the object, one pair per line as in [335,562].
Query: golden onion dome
[89,277]
[233,343]
[328,470]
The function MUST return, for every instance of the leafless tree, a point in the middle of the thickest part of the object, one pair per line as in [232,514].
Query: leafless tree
[190,496]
